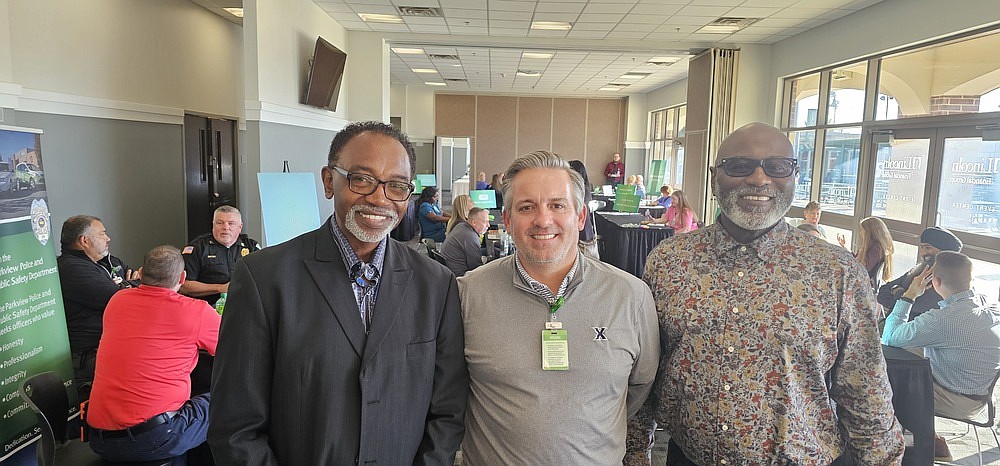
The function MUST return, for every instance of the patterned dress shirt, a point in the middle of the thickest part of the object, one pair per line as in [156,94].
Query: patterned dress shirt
[771,353]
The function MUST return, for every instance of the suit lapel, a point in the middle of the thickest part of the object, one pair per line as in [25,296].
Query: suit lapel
[331,279]
[392,293]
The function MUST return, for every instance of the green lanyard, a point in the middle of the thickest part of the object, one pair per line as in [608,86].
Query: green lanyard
[554,307]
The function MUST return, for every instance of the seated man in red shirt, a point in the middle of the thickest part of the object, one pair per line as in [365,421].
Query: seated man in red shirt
[139,406]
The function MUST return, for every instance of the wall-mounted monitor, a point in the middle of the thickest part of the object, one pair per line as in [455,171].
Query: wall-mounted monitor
[427,179]
[484,198]
[326,72]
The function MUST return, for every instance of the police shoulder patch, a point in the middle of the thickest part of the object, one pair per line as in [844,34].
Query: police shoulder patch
[187,250]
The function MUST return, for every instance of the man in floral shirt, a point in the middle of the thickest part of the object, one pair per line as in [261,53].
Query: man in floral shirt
[771,350]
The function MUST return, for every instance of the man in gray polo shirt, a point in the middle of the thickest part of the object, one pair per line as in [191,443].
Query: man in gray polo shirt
[561,348]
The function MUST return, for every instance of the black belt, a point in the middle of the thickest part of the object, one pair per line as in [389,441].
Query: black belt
[140,428]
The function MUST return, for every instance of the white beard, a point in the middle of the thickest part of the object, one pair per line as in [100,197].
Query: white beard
[364,235]
[758,218]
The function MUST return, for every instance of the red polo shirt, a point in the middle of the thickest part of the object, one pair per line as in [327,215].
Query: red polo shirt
[146,355]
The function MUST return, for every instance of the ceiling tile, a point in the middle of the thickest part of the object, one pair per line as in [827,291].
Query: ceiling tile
[511,15]
[644,19]
[496,23]
[378,9]
[424,20]
[428,29]
[678,20]
[508,5]
[418,3]
[494,31]
[599,18]
[752,12]
[555,7]
[568,17]
[602,8]
[473,4]
[463,13]
[614,26]
[698,10]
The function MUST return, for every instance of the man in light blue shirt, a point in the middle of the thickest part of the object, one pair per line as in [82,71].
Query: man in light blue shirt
[961,339]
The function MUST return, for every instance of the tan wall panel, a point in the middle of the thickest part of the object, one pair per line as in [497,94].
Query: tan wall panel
[534,124]
[569,128]
[455,115]
[696,144]
[604,135]
[496,124]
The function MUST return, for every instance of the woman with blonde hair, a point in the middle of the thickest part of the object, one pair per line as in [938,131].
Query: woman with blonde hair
[679,215]
[460,208]
[875,250]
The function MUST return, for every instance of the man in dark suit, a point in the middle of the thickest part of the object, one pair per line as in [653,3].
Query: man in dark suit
[342,346]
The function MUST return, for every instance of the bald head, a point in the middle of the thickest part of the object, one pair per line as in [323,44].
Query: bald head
[758,140]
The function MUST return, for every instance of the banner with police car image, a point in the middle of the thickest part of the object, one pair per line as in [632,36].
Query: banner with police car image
[32,323]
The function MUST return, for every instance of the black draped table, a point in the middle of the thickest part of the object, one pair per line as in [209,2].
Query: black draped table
[627,247]
[913,401]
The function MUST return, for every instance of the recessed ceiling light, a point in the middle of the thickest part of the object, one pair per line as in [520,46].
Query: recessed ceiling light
[542,55]
[435,84]
[530,73]
[380,18]
[551,25]
[634,75]
[609,88]
[663,61]
[408,51]
[424,70]
[237,12]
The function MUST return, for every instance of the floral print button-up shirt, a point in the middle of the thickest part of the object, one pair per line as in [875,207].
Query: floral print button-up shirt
[771,352]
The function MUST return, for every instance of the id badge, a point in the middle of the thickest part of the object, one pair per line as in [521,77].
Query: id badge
[555,350]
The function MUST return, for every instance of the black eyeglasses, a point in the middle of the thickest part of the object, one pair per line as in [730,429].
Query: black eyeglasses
[745,166]
[360,183]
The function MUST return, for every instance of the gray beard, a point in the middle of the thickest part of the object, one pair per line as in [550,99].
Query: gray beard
[756,219]
[362,234]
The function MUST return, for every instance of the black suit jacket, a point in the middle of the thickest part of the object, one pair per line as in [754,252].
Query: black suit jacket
[297,381]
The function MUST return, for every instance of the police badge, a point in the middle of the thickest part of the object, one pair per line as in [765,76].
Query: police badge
[40,220]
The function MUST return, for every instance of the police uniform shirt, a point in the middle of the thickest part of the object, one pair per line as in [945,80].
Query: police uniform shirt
[207,261]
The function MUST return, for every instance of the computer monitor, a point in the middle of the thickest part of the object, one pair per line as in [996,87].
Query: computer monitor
[484,198]
[427,179]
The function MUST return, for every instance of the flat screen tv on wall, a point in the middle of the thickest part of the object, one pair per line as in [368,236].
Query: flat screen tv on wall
[325,74]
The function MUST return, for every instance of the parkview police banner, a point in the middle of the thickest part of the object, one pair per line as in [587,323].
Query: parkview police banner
[32,323]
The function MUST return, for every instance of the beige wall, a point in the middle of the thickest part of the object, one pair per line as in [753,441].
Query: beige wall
[505,127]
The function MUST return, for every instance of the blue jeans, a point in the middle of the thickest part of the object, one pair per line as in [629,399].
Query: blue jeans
[183,432]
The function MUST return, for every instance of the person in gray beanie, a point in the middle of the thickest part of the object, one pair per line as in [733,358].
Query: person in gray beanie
[932,241]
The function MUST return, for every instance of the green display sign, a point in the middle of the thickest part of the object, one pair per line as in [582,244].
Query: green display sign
[33,335]
[657,176]
[626,200]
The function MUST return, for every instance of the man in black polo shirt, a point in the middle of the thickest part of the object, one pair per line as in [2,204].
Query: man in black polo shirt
[210,259]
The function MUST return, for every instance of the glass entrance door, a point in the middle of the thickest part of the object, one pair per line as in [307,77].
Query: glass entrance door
[948,177]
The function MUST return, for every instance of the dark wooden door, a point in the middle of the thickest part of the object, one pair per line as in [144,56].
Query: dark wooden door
[210,169]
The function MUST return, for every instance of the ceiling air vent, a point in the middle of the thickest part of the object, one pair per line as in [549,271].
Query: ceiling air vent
[423,11]
[456,80]
[727,25]
[435,56]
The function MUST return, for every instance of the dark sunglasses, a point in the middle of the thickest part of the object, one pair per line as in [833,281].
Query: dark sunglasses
[745,166]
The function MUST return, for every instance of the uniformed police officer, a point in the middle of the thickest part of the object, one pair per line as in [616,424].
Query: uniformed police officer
[210,259]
